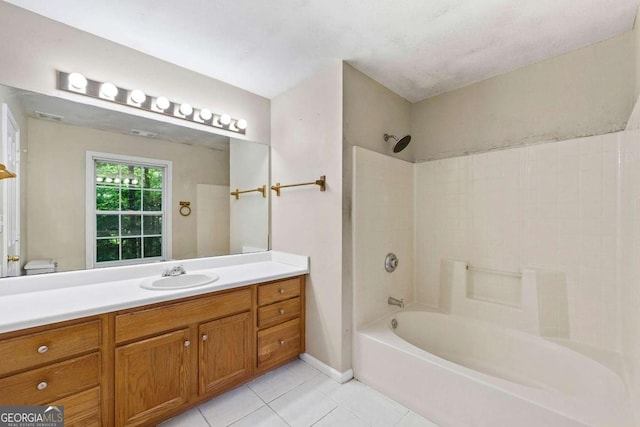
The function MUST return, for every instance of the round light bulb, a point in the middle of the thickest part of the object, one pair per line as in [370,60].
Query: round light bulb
[205,114]
[77,81]
[116,181]
[162,103]
[138,96]
[99,179]
[109,180]
[186,109]
[108,90]
[241,124]
[134,181]
[225,119]
[126,181]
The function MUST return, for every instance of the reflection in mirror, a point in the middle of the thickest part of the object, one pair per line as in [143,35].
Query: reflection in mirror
[101,188]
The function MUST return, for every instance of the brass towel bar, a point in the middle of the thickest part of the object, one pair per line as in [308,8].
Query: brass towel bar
[4,173]
[262,190]
[322,183]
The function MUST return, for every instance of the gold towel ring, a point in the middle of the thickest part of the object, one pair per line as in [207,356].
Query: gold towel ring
[185,208]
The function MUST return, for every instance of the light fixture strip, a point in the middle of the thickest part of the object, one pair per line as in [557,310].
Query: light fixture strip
[134,98]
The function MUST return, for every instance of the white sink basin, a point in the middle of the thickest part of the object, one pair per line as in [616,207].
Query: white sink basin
[178,282]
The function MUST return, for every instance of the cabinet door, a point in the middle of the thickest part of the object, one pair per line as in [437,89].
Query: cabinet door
[225,352]
[152,377]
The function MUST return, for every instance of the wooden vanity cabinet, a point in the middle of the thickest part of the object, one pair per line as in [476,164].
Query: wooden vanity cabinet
[280,322]
[58,364]
[171,355]
[153,377]
[140,366]
[225,355]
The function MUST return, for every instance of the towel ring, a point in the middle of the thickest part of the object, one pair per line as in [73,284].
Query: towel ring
[185,208]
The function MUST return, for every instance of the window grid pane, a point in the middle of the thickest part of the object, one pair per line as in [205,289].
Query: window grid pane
[133,194]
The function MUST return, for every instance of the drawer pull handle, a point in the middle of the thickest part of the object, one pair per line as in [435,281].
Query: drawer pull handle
[42,385]
[281,342]
[282,311]
[187,343]
[281,290]
[43,349]
[205,337]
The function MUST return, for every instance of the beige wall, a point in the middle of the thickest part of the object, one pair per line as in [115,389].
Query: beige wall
[249,169]
[34,47]
[212,217]
[56,190]
[370,111]
[585,92]
[306,143]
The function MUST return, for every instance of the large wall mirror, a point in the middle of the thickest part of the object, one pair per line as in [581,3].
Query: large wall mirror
[98,188]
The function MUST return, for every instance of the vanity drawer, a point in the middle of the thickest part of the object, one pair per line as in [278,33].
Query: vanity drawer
[278,291]
[278,343]
[81,409]
[52,382]
[279,312]
[49,346]
[141,323]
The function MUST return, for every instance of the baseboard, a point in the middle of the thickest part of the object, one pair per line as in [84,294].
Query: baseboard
[341,377]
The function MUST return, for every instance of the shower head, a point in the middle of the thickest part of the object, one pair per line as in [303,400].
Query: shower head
[401,143]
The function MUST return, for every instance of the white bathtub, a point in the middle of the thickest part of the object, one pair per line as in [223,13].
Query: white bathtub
[458,372]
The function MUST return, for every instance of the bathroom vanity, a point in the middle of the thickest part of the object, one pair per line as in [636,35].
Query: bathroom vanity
[147,362]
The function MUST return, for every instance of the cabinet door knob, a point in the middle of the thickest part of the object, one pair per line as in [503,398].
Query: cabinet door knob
[281,290]
[187,343]
[281,342]
[282,311]
[205,337]
[42,385]
[43,349]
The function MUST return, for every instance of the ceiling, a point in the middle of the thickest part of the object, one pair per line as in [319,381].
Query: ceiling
[416,48]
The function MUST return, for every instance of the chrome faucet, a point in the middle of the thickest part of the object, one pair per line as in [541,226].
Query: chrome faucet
[398,302]
[176,270]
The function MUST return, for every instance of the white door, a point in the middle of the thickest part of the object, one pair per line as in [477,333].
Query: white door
[10,221]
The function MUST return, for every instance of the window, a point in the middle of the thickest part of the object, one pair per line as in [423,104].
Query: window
[127,214]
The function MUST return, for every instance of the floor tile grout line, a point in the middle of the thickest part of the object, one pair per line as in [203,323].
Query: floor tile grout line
[402,417]
[287,391]
[346,408]
[326,415]
[356,415]
[247,415]
[259,397]
[202,415]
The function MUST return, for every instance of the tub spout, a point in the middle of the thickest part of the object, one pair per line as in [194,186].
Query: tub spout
[398,302]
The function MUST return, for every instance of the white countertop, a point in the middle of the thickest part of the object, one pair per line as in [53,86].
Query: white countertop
[30,301]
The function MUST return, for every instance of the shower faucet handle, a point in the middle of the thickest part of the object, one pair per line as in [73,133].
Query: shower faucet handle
[390,262]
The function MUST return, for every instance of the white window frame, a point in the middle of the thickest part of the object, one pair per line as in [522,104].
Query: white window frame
[90,203]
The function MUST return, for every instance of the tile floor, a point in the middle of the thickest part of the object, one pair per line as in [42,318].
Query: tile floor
[299,395]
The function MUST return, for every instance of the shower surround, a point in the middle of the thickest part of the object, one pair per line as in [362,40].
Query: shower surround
[554,207]
[551,206]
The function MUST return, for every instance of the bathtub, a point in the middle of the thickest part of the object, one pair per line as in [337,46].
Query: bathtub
[458,372]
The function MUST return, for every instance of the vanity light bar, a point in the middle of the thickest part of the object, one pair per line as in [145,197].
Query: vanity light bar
[107,91]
